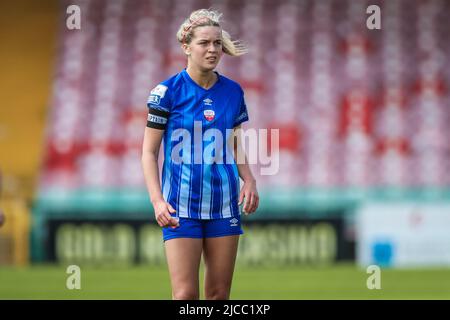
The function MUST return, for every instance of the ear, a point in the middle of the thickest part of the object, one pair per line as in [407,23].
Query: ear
[186,49]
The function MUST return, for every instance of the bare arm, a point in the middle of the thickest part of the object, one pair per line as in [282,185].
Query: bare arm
[249,191]
[150,153]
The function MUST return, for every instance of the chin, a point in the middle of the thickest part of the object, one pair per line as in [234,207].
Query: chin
[209,67]
[212,66]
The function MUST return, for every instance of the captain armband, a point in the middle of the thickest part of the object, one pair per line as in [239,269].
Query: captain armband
[157,118]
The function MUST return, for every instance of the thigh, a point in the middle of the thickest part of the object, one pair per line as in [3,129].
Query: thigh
[183,259]
[219,255]
[220,249]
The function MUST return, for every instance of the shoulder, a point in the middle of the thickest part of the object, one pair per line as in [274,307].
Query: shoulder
[169,84]
[230,84]
[161,95]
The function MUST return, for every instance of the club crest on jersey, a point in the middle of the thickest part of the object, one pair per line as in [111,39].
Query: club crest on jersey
[209,114]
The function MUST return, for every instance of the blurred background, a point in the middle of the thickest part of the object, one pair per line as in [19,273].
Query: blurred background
[363,118]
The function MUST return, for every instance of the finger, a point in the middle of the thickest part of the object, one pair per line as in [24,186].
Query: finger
[171,209]
[257,203]
[160,222]
[174,223]
[241,198]
[246,203]
[252,203]
[168,217]
[163,218]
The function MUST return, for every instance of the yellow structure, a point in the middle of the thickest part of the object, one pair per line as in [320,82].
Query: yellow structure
[14,233]
[28,33]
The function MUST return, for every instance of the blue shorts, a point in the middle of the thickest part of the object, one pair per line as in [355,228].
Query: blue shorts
[197,228]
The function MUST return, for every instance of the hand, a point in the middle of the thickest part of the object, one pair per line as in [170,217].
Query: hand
[250,194]
[163,210]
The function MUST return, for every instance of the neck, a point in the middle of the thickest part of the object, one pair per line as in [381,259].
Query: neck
[204,79]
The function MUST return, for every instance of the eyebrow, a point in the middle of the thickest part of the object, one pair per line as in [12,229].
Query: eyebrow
[203,39]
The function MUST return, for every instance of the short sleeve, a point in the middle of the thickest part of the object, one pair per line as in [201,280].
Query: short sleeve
[159,105]
[242,114]
[159,98]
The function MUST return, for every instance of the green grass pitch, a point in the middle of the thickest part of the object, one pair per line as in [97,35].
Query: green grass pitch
[343,281]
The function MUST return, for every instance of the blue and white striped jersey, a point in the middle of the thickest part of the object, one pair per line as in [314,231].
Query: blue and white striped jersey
[199,177]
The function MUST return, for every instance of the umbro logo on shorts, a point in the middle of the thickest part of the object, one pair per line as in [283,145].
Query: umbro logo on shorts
[234,222]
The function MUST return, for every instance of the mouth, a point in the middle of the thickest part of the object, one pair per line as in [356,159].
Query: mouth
[211,59]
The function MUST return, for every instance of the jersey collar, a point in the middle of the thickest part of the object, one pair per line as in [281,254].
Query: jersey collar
[188,78]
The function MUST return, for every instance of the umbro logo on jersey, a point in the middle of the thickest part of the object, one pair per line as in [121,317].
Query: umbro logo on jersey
[208,102]
[209,114]
[233,222]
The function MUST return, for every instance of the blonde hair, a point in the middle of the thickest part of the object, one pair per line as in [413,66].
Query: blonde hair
[208,17]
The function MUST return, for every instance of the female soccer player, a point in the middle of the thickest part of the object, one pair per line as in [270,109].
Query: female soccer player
[199,112]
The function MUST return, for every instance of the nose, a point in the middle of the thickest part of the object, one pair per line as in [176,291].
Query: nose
[212,48]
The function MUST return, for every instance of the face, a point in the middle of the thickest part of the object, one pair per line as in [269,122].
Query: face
[205,49]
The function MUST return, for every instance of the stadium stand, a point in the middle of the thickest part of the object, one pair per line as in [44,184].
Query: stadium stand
[351,108]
